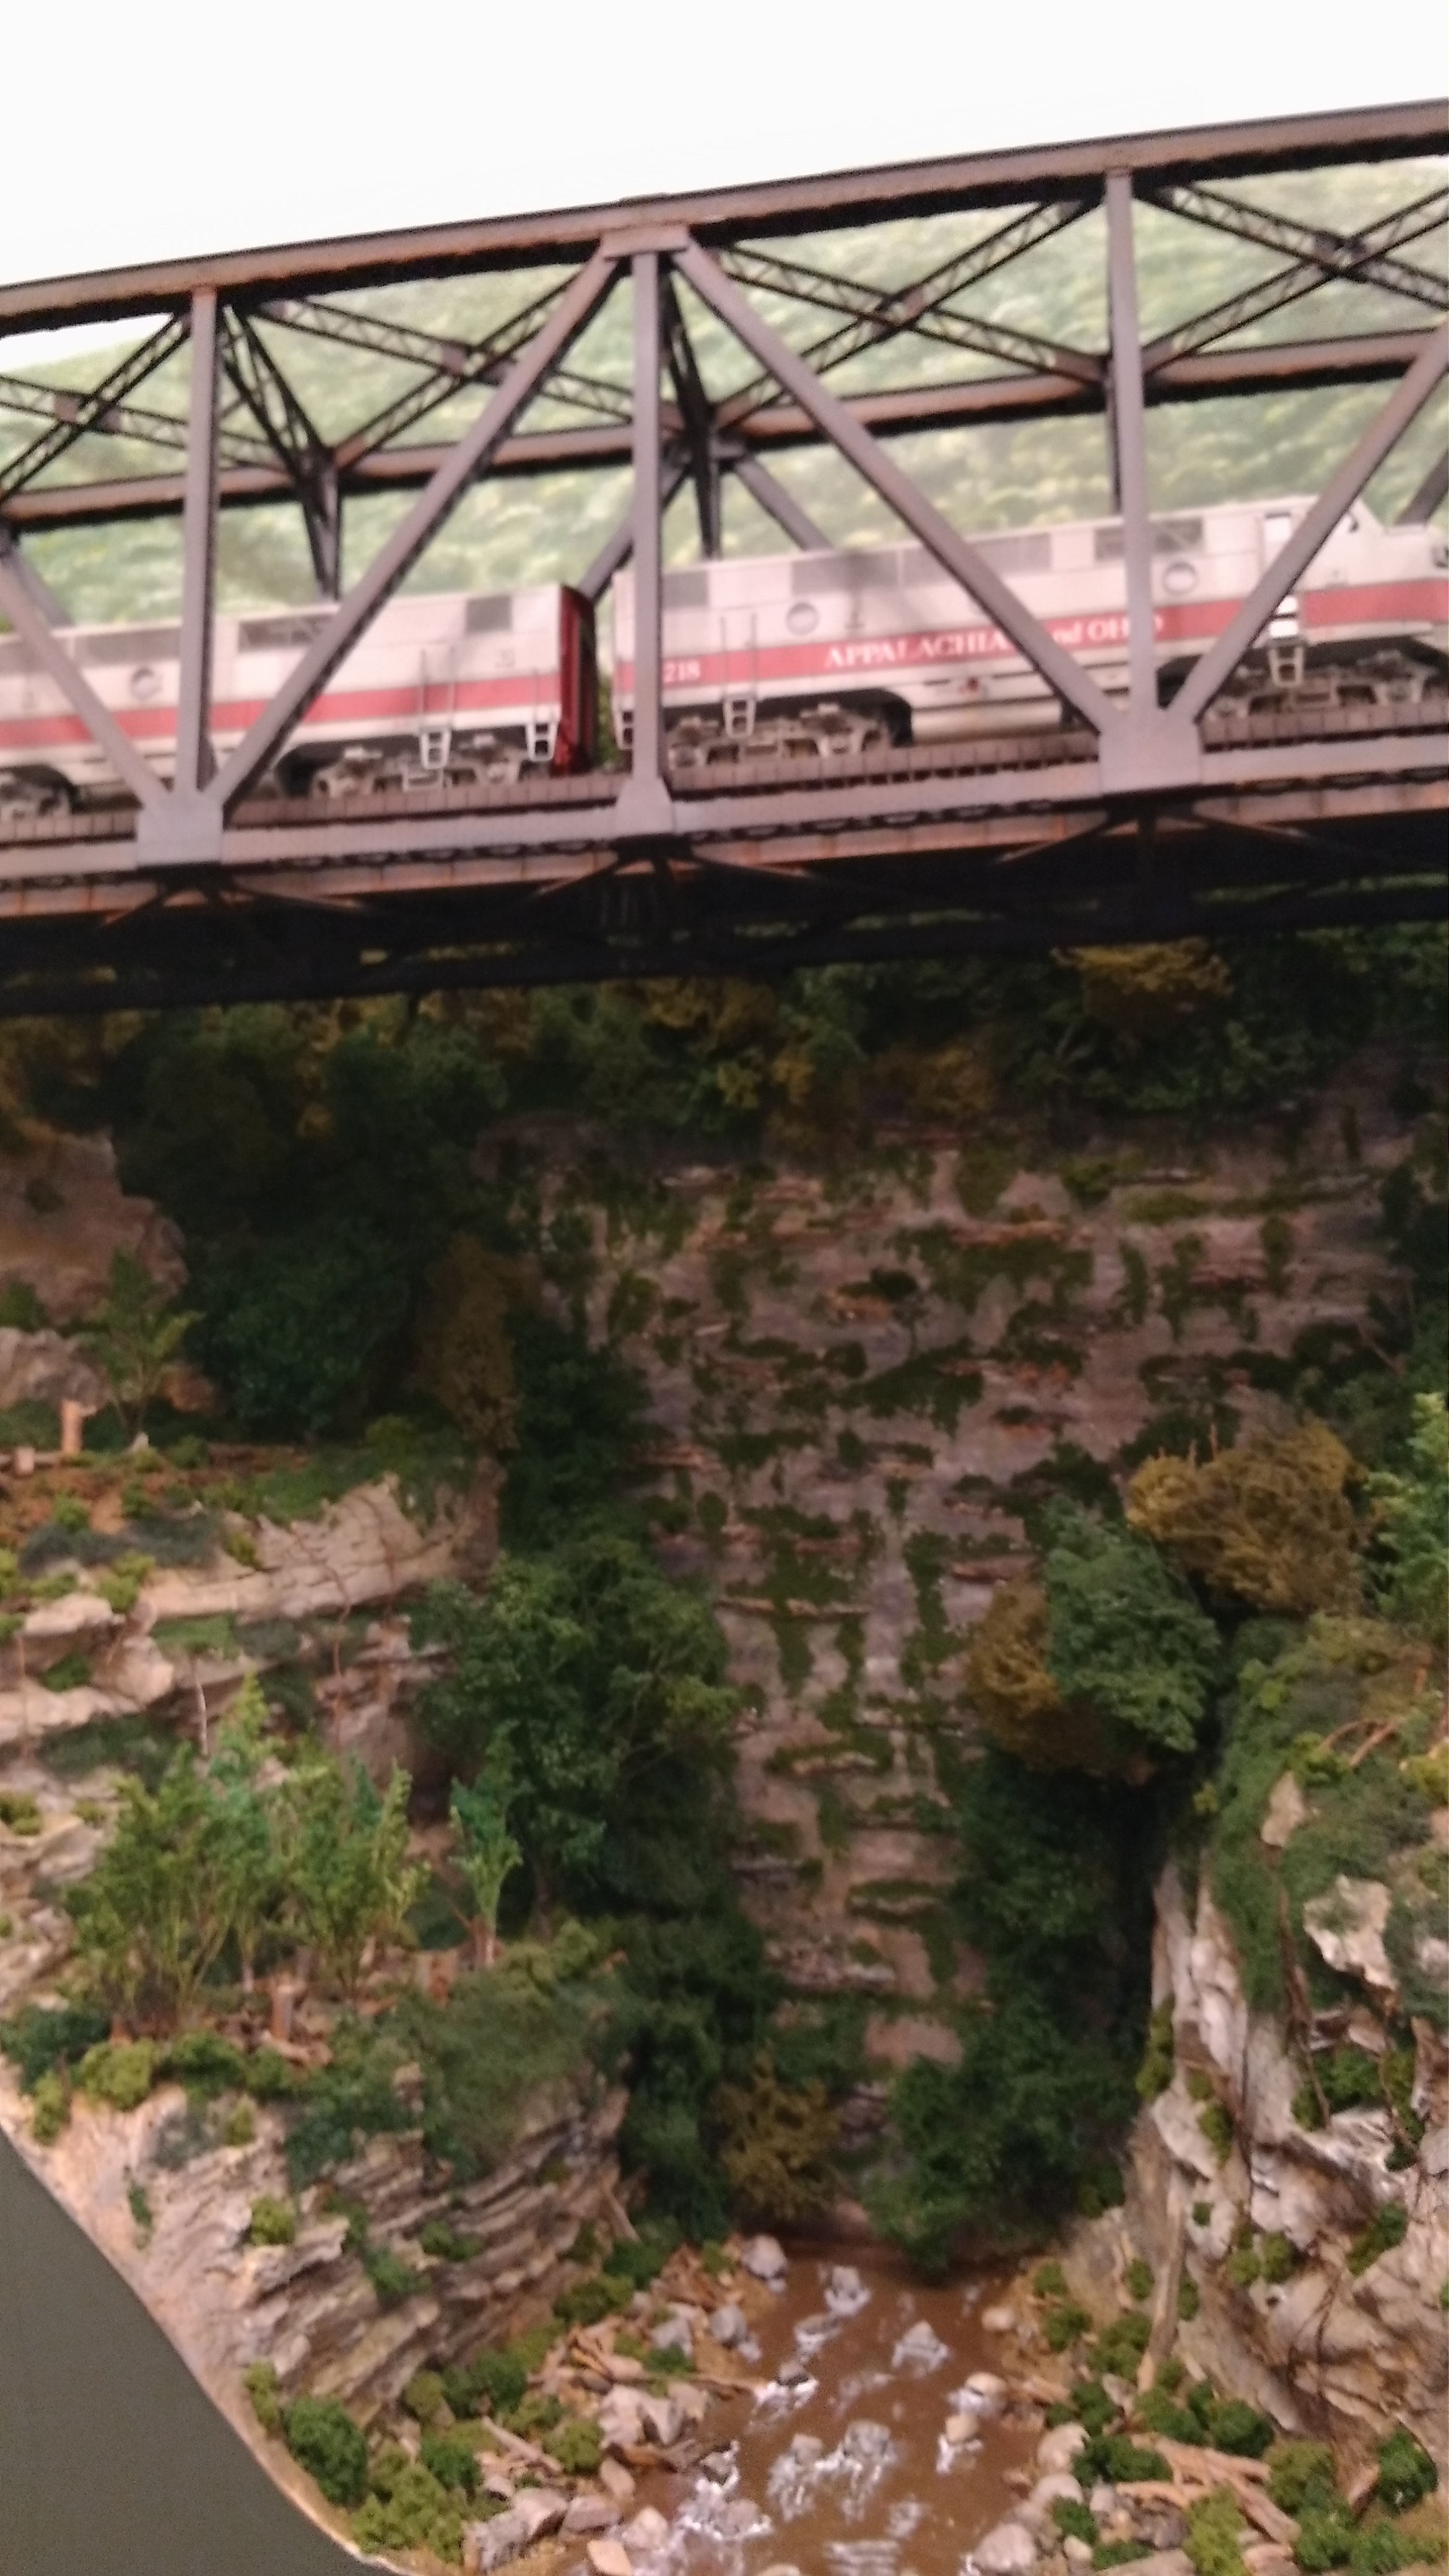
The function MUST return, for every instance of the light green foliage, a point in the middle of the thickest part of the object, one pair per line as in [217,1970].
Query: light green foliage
[344,1853]
[1412,1514]
[273,2221]
[1300,2475]
[1049,2281]
[51,2107]
[423,2395]
[119,2072]
[486,1854]
[135,1336]
[1189,2298]
[779,2141]
[1064,2325]
[1214,2525]
[577,2446]
[409,2508]
[20,1812]
[322,2436]
[1139,2279]
[264,2389]
[152,1918]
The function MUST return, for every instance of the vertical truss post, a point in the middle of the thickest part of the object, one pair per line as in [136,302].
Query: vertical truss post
[1129,441]
[194,761]
[644,807]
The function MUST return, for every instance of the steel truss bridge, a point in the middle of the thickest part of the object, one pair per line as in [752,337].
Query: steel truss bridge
[1127,822]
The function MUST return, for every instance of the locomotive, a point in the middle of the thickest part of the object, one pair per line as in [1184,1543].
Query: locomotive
[820,653]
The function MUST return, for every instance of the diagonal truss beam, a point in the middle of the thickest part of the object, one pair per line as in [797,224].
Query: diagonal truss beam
[295,441]
[439,498]
[1315,528]
[451,365]
[1272,295]
[30,623]
[1336,254]
[880,314]
[90,408]
[697,415]
[119,420]
[962,561]
[779,504]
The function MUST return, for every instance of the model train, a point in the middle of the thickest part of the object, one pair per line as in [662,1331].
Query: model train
[818,653]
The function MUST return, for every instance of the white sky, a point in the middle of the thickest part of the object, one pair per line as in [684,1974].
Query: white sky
[187,127]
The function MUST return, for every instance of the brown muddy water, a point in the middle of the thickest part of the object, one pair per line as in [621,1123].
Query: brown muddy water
[849,2472]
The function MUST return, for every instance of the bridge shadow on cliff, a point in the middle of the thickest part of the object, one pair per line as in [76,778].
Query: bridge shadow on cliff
[112,2456]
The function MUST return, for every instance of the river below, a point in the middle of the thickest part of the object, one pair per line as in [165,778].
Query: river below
[844,2466]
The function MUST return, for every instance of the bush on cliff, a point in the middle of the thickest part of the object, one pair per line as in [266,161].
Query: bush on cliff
[1103,1665]
[1269,1524]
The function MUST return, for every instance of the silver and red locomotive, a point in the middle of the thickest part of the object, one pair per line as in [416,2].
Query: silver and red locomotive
[818,653]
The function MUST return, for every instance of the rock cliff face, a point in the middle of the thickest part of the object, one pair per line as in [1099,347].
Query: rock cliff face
[310,2307]
[863,1379]
[1331,2348]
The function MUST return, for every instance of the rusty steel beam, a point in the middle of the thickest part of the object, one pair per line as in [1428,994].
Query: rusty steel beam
[785,208]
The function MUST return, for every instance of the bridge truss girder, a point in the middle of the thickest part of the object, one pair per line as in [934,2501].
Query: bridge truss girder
[1141,821]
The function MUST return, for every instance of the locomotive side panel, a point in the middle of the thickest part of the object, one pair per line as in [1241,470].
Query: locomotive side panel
[441,686]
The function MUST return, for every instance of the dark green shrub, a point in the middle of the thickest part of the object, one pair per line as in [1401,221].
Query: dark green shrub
[451,2459]
[1049,2281]
[1380,2549]
[1139,2278]
[1325,2537]
[1065,2325]
[1092,2406]
[41,2041]
[1118,2553]
[1406,2472]
[1388,2227]
[323,2438]
[1074,2520]
[1116,2459]
[492,2382]
[1120,2346]
[1241,2429]
[588,2302]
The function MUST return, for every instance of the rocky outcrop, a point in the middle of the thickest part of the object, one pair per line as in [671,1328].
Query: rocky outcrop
[310,2308]
[63,1217]
[1343,2348]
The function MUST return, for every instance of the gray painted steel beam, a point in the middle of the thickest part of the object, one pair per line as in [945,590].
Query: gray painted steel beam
[963,561]
[1315,527]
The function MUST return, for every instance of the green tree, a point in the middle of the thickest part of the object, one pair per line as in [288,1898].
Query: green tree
[248,1856]
[135,1336]
[487,1853]
[155,1913]
[601,1685]
[344,1848]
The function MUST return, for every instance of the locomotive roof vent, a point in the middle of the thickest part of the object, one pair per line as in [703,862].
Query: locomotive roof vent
[688,589]
[491,615]
[270,634]
[1169,537]
[130,644]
